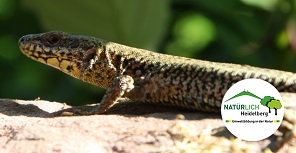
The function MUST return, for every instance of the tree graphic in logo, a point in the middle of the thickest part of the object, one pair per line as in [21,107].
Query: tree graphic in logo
[271,103]
[267,101]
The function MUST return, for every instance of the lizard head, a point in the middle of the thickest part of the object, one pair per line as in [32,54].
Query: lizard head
[66,52]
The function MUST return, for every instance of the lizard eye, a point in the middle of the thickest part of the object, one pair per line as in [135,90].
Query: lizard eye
[52,39]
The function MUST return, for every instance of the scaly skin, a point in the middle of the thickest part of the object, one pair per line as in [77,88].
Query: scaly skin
[142,75]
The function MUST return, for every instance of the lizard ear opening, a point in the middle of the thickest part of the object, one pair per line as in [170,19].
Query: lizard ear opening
[90,55]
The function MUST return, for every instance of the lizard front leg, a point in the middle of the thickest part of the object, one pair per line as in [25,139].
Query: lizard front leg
[119,86]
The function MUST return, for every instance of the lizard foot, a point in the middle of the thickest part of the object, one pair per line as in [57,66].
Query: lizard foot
[118,88]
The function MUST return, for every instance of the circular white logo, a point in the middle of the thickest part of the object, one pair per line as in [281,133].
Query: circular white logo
[252,109]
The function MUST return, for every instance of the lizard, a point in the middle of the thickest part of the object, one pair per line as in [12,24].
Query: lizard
[142,75]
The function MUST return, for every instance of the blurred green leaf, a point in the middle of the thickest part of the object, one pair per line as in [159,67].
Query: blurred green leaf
[283,40]
[131,22]
[7,8]
[191,34]
[264,4]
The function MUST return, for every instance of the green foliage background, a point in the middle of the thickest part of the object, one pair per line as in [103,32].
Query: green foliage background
[254,32]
